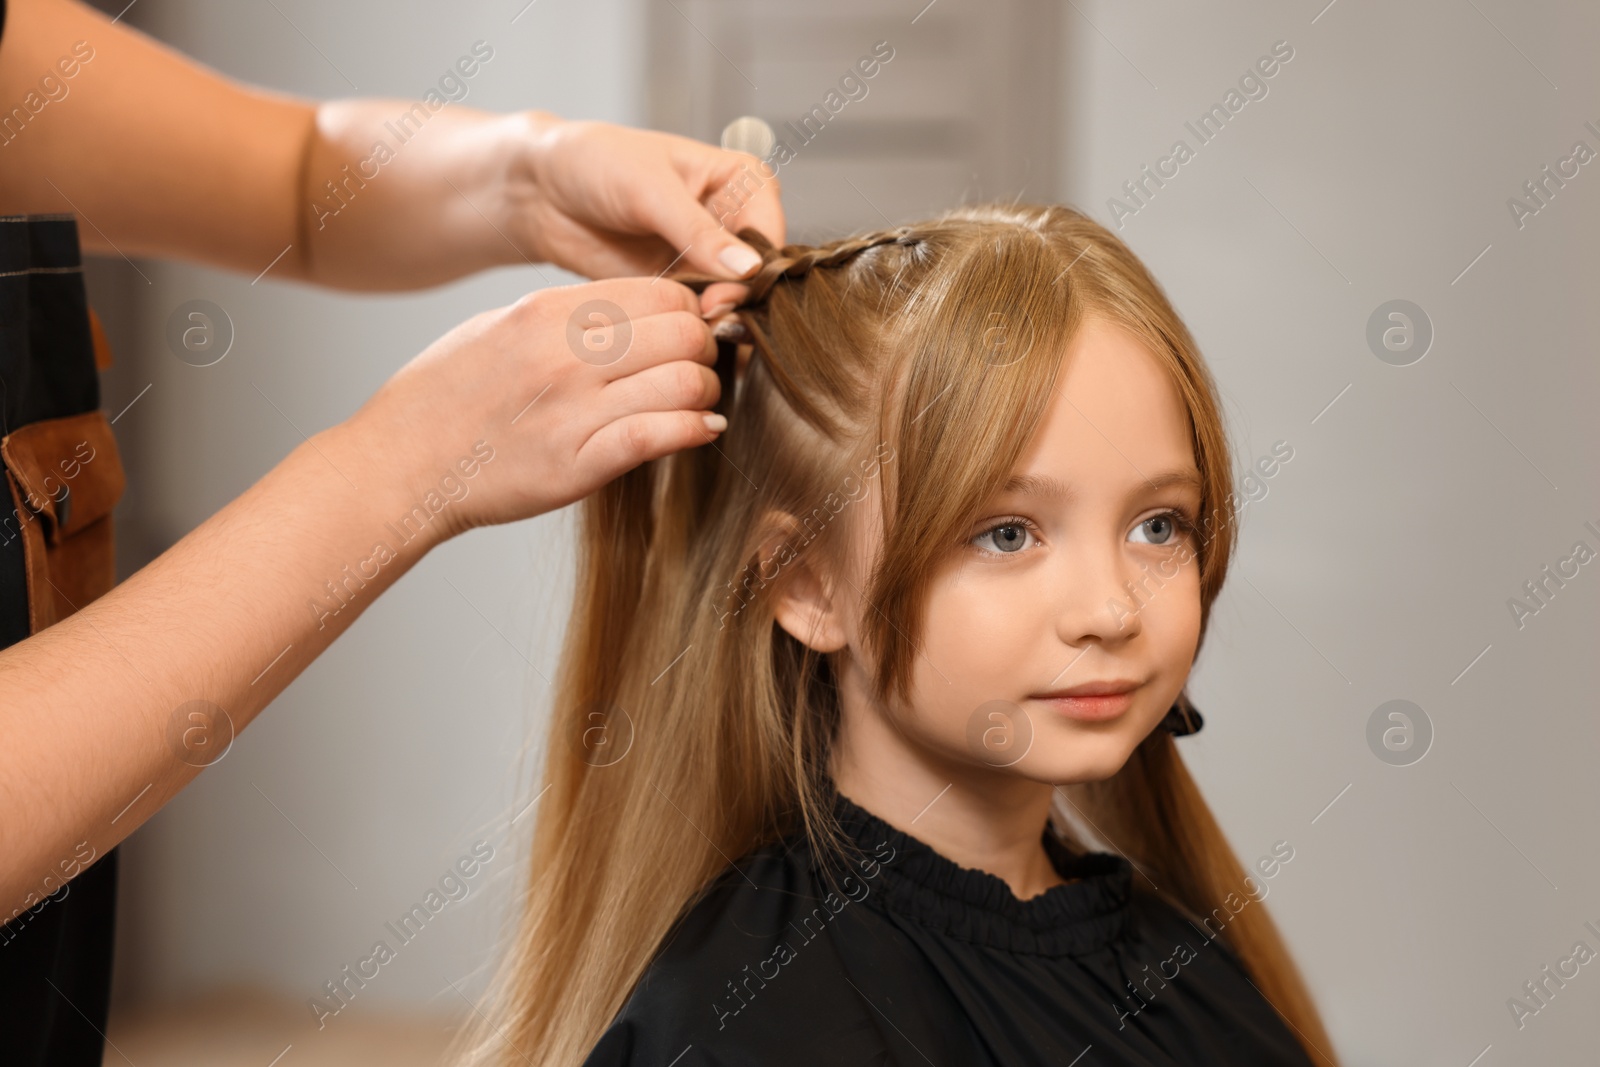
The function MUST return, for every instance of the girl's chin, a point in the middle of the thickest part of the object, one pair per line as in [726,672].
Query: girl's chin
[1074,763]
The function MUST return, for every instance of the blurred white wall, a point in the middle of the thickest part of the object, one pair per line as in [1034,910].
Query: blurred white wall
[1377,566]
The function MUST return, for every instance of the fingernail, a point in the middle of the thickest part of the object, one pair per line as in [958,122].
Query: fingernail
[720,309]
[730,330]
[714,422]
[740,259]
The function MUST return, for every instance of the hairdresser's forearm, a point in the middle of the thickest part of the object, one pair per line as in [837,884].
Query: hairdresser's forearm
[164,158]
[157,154]
[86,706]
[396,197]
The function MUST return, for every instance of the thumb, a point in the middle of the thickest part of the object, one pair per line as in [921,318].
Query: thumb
[706,246]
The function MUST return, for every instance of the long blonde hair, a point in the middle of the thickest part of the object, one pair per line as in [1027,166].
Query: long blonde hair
[689,729]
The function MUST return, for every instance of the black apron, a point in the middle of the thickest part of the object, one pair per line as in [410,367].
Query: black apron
[55,959]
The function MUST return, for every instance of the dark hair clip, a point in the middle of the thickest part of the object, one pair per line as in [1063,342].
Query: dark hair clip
[1183,718]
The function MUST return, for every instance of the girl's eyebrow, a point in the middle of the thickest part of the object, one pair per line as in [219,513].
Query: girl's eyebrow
[1044,485]
[1186,477]
[1038,485]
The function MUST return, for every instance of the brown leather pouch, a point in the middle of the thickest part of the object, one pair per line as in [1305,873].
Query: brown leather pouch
[67,476]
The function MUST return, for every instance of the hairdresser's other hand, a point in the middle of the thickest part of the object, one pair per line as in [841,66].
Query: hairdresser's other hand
[527,408]
[605,200]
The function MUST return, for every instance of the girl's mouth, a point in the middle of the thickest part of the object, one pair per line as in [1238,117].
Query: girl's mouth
[1092,701]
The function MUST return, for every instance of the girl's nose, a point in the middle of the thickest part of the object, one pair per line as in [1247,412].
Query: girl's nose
[1103,598]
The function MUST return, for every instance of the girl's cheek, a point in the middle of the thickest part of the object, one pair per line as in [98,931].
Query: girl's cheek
[1175,619]
[968,641]
[987,635]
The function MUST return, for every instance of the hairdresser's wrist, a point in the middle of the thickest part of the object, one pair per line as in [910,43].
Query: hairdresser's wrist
[387,205]
[487,186]
[387,476]
[526,143]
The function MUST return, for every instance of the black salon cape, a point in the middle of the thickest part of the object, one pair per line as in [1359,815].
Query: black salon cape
[920,961]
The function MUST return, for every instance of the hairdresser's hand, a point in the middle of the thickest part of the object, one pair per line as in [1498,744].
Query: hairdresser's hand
[560,409]
[607,200]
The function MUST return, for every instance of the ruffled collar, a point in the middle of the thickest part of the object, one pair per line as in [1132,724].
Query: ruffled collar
[971,905]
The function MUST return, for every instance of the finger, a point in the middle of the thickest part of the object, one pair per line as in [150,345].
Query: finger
[619,446]
[679,386]
[721,298]
[750,196]
[678,215]
[637,297]
[620,348]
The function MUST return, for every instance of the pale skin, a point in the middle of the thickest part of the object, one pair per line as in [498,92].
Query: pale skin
[1015,612]
[161,157]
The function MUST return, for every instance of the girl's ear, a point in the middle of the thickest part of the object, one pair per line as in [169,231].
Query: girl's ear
[804,593]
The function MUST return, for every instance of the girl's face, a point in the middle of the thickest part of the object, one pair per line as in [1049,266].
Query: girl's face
[1059,634]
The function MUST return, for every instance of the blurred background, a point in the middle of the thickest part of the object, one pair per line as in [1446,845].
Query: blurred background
[1440,460]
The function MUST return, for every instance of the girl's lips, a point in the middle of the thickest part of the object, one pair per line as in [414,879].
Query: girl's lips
[1090,708]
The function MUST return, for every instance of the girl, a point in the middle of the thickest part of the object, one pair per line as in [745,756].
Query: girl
[862,747]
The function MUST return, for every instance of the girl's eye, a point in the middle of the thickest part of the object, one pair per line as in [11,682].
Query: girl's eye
[1161,529]
[1007,538]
